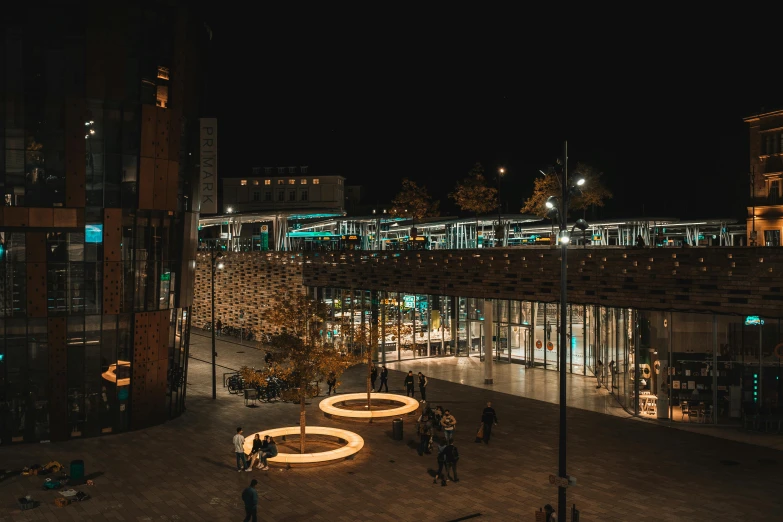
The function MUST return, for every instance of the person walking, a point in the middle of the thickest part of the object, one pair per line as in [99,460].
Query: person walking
[489,418]
[384,379]
[250,498]
[448,422]
[423,386]
[332,382]
[409,384]
[424,430]
[239,449]
[269,452]
[373,376]
[451,457]
[218,327]
[441,464]
[599,370]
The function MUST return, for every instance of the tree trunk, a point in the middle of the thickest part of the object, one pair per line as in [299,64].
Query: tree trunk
[369,384]
[302,423]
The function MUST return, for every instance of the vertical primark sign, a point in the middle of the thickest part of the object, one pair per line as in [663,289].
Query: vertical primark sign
[208,165]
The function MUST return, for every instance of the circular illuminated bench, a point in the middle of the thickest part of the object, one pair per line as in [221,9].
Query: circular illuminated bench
[354,443]
[330,408]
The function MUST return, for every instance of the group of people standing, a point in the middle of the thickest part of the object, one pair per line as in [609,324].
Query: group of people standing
[448,455]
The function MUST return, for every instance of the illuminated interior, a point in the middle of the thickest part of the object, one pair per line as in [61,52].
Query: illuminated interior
[111,373]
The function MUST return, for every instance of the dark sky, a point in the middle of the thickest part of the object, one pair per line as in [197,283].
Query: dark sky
[658,110]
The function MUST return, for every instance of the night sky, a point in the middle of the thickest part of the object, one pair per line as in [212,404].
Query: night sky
[659,111]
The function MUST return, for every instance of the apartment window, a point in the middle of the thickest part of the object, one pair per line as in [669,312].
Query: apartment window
[280,195]
[281,182]
[303,195]
[292,195]
[304,181]
[291,170]
[315,181]
[268,195]
[774,191]
[267,182]
[267,170]
[771,143]
[303,170]
[772,237]
[163,72]
[243,182]
[281,170]
[255,182]
[256,196]
[292,182]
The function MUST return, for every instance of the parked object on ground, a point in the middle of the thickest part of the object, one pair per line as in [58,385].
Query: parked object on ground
[77,470]
[27,502]
[61,502]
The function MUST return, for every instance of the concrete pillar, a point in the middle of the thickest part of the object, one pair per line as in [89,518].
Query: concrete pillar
[489,331]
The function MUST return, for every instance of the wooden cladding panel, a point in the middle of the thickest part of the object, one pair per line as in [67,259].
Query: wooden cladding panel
[112,280]
[112,234]
[67,217]
[16,217]
[172,186]
[75,158]
[162,131]
[35,250]
[148,134]
[42,217]
[35,247]
[57,379]
[146,183]
[139,371]
[160,184]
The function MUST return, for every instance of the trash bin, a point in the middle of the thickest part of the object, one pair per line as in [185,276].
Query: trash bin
[77,470]
[397,429]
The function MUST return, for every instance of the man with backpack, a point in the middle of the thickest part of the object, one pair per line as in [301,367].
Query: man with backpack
[384,379]
[424,429]
[451,456]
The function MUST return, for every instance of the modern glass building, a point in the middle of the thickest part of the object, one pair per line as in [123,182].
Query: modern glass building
[686,367]
[98,120]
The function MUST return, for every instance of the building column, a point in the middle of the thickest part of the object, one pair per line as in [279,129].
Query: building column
[489,330]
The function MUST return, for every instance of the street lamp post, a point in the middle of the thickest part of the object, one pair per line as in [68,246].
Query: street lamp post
[561,207]
[215,255]
[499,229]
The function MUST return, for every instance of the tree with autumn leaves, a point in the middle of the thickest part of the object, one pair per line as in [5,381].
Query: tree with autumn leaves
[304,355]
[414,202]
[593,192]
[472,194]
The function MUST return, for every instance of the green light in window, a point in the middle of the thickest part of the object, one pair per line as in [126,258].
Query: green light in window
[755,393]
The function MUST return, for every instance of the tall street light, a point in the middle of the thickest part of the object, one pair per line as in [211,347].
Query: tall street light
[561,207]
[215,254]
[499,229]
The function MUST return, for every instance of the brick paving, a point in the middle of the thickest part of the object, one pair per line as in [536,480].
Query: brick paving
[185,469]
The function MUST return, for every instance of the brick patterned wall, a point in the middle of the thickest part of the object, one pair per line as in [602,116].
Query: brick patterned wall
[249,282]
[730,280]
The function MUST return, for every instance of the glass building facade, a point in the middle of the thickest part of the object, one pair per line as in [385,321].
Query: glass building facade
[97,226]
[685,367]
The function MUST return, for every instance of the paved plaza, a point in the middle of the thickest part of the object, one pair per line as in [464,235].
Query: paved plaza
[185,470]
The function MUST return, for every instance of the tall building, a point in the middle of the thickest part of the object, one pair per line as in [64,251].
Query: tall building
[98,120]
[765,212]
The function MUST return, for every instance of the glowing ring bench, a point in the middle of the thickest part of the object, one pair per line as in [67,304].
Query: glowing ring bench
[354,444]
[328,406]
